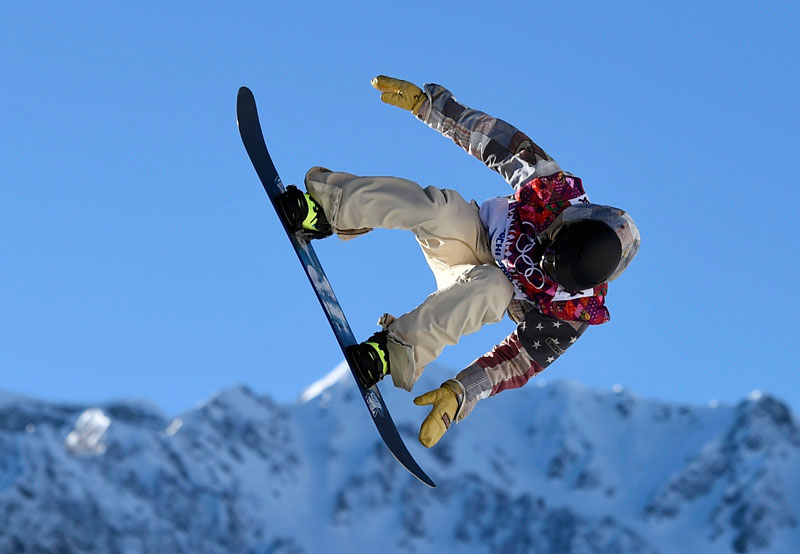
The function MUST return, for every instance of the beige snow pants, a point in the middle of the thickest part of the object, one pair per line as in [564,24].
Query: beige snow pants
[472,290]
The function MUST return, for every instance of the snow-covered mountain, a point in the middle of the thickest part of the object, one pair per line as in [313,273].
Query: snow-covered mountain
[551,468]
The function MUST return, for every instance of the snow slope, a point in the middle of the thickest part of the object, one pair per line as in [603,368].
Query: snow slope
[550,468]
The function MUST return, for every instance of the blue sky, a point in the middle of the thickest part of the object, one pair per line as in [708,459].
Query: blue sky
[139,257]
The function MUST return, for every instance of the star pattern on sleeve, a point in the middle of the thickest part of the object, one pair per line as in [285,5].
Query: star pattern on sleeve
[546,338]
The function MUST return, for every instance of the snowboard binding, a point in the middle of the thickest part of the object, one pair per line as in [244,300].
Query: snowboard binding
[303,214]
[370,359]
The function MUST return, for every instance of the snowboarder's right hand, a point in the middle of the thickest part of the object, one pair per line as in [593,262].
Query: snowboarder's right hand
[399,93]
[445,405]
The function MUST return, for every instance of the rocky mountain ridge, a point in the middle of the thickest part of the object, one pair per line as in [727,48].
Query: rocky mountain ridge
[550,468]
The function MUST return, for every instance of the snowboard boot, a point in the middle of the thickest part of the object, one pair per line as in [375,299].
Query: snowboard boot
[370,359]
[303,214]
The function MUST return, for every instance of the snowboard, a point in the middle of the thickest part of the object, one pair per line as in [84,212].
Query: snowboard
[253,139]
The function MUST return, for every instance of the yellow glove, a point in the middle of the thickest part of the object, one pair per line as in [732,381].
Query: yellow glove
[399,93]
[445,406]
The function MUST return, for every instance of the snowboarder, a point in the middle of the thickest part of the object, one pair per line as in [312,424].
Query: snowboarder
[543,255]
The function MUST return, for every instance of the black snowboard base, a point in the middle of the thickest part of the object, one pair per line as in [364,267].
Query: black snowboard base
[253,139]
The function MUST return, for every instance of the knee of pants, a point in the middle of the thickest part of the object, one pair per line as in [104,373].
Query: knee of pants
[492,283]
[447,205]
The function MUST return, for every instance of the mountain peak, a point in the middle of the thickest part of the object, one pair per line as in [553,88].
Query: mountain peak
[763,421]
[339,374]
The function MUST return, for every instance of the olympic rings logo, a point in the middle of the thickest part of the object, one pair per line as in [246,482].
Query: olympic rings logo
[524,265]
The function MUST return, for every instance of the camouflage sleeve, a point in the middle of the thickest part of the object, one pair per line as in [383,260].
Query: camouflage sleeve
[535,344]
[499,145]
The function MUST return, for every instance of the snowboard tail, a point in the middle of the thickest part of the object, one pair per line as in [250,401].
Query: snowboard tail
[253,139]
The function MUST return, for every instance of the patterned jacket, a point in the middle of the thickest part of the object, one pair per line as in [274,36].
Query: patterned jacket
[549,318]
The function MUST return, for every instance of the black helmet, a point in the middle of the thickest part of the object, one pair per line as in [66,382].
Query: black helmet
[580,254]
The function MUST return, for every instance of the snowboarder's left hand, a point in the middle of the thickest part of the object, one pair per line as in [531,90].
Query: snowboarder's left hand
[445,405]
[400,93]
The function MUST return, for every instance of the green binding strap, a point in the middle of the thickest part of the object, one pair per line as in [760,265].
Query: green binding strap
[381,355]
